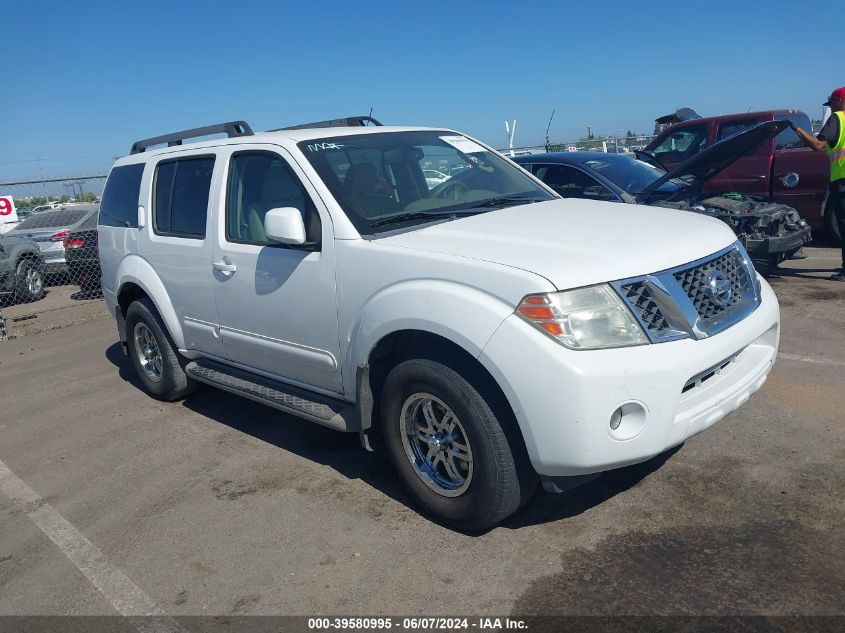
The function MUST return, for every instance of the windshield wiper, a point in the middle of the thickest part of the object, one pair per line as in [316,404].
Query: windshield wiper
[424,215]
[502,201]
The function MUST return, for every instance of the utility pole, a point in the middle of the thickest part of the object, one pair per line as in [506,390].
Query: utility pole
[548,127]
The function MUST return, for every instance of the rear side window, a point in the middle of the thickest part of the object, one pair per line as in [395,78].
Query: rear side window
[180,196]
[119,206]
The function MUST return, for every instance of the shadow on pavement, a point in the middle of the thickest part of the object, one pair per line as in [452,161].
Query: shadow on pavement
[342,452]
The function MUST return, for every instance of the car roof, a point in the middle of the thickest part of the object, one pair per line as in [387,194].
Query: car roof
[567,158]
[761,114]
[297,136]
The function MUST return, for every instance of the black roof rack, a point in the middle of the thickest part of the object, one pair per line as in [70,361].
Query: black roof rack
[231,129]
[350,121]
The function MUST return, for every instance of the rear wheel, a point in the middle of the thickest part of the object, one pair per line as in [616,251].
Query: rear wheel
[449,446]
[153,353]
[29,281]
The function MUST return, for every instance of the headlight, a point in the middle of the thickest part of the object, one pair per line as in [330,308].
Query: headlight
[585,318]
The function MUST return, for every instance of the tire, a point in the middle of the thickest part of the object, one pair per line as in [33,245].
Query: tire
[467,476]
[29,281]
[153,353]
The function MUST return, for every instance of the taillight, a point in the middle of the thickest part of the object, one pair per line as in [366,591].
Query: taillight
[60,236]
[75,243]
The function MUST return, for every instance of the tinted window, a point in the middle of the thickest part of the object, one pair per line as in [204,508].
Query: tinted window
[51,219]
[119,206]
[788,139]
[682,144]
[259,182]
[570,182]
[180,196]
[729,128]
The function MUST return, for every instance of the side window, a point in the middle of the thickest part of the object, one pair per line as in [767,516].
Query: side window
[569,182]
[258,182]
[119,206]
[788,139]
[682,144]
[729,128]
[180,196]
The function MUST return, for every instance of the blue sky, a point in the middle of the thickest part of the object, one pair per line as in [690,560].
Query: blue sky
[83,80]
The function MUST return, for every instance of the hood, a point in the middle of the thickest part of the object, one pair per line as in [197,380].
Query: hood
[574,242]
[721,155]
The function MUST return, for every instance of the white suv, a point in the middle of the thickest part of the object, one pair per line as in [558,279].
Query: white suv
[494,334]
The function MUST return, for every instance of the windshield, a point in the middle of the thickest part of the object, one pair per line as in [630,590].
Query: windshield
[631,174]
[395,178]
[51,219]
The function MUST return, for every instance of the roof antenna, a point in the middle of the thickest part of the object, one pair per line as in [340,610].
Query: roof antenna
[371,112]
[548,127]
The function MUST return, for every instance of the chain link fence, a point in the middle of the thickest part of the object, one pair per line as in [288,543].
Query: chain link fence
[49,264]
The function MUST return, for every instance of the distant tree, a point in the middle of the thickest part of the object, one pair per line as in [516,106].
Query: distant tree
[64,198]
[86,197]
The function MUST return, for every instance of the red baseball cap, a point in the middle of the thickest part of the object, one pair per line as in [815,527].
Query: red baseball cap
[839,94]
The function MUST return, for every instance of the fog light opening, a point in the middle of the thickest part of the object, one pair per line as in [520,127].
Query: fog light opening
[628,420]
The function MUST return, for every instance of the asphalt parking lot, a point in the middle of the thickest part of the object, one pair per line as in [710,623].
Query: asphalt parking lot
[219,506]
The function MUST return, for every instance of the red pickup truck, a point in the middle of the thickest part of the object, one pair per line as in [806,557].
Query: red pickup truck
[782,168]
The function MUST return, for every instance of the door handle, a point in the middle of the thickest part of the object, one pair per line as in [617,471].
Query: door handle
[225,266]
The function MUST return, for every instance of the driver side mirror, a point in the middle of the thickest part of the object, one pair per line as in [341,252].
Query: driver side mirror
[285,225]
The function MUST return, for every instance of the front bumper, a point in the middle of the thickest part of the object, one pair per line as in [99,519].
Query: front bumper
[781,246]
[564,399]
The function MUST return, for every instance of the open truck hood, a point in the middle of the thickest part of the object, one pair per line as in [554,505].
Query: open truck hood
[719,156]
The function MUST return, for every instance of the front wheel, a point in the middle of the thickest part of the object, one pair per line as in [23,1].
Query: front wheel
[450,447]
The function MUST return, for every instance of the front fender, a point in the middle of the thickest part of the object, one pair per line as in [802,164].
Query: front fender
[464,315]
[134,269]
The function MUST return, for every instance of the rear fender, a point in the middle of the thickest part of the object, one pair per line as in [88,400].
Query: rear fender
[136,270]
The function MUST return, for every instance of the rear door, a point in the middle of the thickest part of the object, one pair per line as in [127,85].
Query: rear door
[800,176]
[177,245]
[750,174]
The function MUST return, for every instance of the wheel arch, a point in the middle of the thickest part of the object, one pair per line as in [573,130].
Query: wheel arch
[406,344]
[137,279]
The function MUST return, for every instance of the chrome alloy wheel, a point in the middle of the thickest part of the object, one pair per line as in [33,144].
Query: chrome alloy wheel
[149,355]
[436,444]
[34,282]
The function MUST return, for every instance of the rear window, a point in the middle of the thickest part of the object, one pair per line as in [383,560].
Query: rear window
[119,206]
[180,196]
[89,223]
[51,220]
[788,139]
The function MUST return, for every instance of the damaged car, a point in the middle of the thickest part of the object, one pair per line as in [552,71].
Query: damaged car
[770,231]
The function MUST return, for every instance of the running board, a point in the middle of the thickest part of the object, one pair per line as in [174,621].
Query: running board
[335,414]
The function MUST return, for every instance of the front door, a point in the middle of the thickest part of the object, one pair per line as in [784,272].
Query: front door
[276,304]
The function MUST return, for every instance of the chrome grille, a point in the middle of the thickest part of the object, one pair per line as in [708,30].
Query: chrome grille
[645,307]
[696,300]
[694,281]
